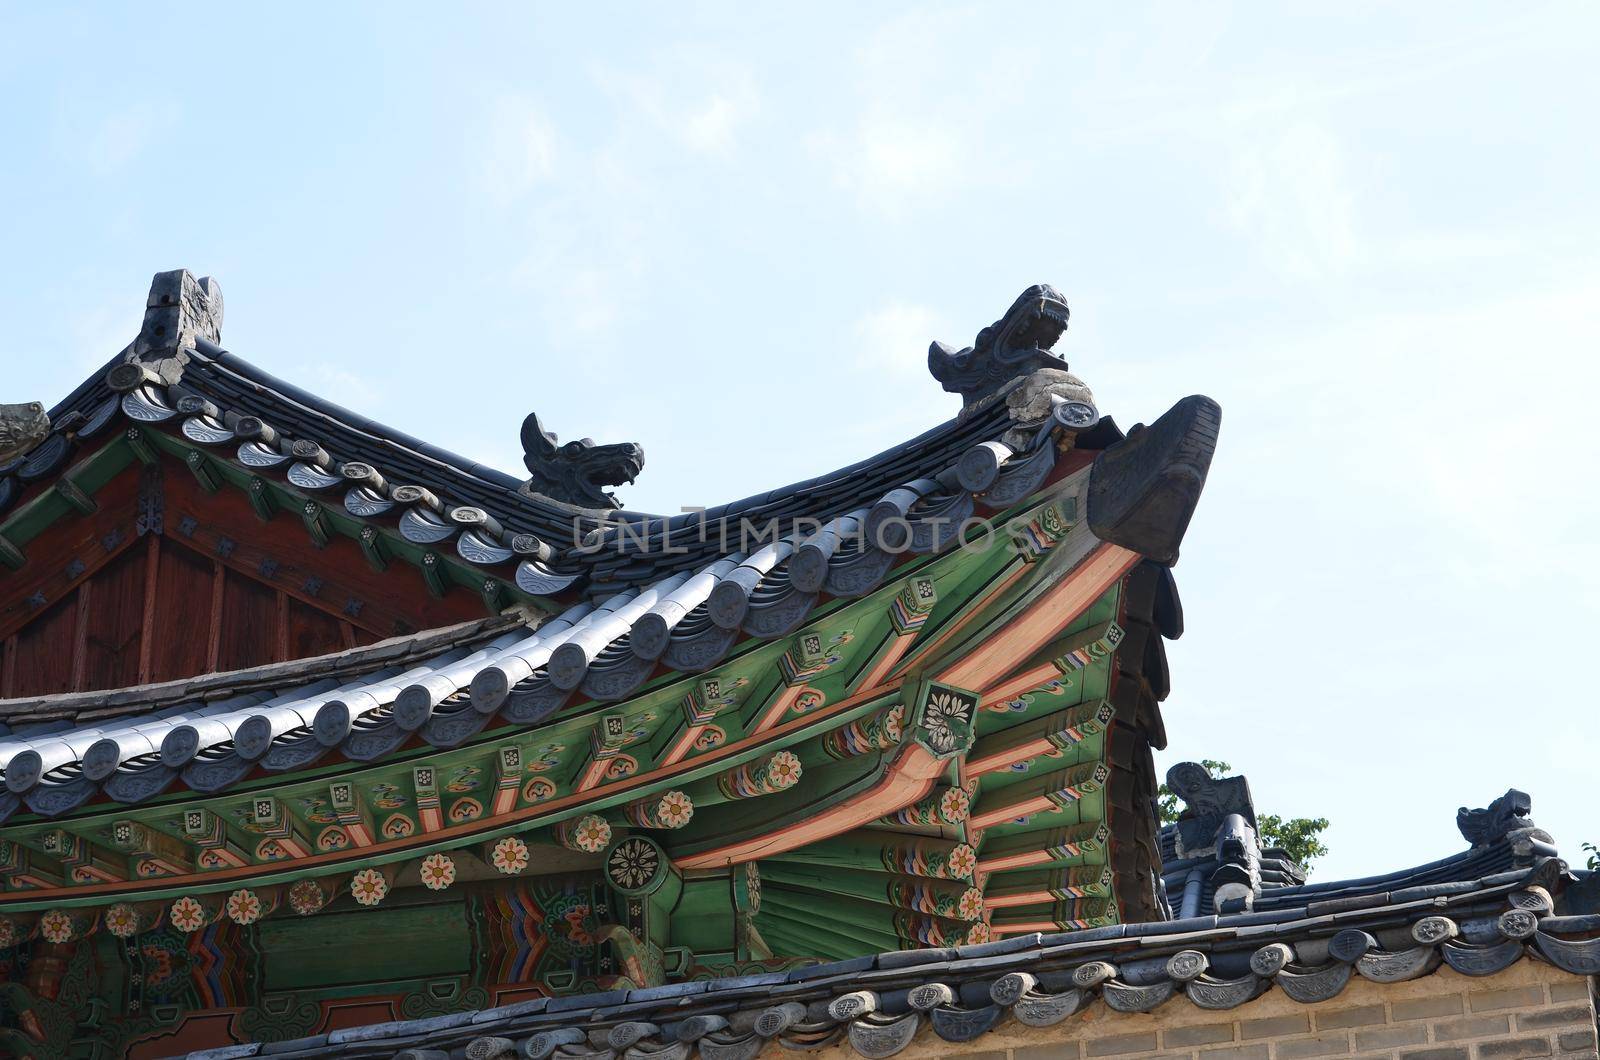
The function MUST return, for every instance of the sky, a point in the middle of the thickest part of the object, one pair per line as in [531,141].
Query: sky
[730,234]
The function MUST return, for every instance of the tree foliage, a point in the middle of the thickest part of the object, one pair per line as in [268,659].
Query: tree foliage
[1300,837]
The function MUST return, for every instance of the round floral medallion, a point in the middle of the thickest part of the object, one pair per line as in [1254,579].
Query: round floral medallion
[633,863]
[121,920]
[187,914]
[674,809]
[306,897]
[592,833]
[954,805]
[56,926]
[979,932]
[783,770]
[438,872]
[970,907]
[963,861]
[243,907]
[368,887]
[947,720]
[510,855]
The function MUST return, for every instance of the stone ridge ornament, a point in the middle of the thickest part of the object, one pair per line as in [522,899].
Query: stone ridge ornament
[22,426]
[1506,814]
[576,472]
[1014,346]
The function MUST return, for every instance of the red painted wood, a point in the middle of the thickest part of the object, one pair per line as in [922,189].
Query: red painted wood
[113,621]
[219,590]
[80,635]
[313,632]
[50,569]
[181,619]
[219,581]
[8,668]
[249,630]
[280,647]
[44,651]
[152,576]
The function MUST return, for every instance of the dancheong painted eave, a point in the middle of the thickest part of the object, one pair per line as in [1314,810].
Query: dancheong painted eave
[919,714]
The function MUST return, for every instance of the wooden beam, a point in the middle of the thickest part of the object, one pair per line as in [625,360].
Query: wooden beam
[908,778]
[80,639]
[147,626]
[281,652]
[1042,619]
[219,574]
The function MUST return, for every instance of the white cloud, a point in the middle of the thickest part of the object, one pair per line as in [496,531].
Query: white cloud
[520,154]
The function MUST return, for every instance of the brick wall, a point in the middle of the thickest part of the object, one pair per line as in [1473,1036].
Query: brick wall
[1530,1010]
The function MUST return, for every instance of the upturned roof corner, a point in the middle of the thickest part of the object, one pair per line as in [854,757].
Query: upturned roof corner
[179,311]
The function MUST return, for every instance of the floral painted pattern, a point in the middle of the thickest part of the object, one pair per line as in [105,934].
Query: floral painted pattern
[783,770]
[954,805]
[438,872]
[56,926]
[808,700]
[970,907]
[622,766]
[464,779]
[334,838]
[398,826]
[510,855]
[674,810]
[387,797]
[963,861]
[187,914]
[592,833]
[545,758]
[463,810]
[306,897]
[243,907]
[368,887]
[121,920]
[948,721]
[711,736]
[538,789]
[979,932]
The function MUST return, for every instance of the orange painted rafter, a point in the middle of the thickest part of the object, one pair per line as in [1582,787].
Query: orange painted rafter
[908,778]
[1042,620]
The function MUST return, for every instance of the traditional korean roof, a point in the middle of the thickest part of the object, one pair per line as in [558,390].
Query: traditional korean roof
[235,423]
[1311,944]
[1213,861]
[958,642]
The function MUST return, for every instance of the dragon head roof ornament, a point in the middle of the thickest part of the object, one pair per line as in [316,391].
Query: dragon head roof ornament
[1209,803]
[1507,814]
[1014,346]
[1012,357]
[576,472]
